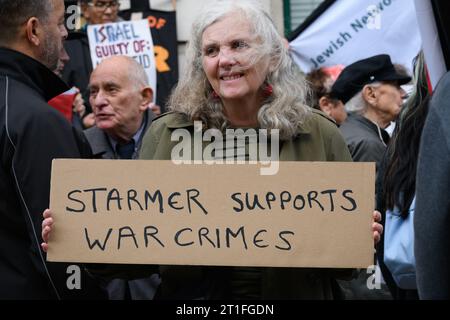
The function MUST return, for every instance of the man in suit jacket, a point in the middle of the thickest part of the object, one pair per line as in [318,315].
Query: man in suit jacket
[120,96]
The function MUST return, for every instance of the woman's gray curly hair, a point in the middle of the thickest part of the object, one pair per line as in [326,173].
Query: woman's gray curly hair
[285,109]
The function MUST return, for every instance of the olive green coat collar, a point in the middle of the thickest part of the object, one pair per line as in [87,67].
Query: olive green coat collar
[179,120]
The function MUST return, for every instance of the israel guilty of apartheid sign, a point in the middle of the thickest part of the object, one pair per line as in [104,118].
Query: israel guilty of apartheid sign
[156,212]
[128,38]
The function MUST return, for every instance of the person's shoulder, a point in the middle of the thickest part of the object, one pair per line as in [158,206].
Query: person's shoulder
[321,116]
[21,91]
[172,120]
[27,104]
[352,128]
[157,143]
[324,132]
[444,83]
[320,120]
[441,96]
[92,132]
[37,120]
[352,121]
[43,115]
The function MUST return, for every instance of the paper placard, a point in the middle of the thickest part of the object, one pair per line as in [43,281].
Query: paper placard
[127,38]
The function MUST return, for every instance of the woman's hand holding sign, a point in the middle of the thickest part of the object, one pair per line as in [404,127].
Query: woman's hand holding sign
[47,226]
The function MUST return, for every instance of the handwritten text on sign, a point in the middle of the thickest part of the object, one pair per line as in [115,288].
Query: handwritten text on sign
[155,212]
[127,38]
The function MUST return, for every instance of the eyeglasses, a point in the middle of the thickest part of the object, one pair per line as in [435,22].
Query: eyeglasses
[101,5]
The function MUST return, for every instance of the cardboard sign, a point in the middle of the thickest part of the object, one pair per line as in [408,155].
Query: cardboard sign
[127,38]
[155,212]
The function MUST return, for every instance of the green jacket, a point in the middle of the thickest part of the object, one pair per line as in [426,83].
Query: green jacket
[318,140]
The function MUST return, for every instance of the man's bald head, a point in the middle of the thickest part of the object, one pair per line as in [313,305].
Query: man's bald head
[131,67]
[119,96]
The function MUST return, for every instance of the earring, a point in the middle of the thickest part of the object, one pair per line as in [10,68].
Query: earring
[268,90]
[214,95]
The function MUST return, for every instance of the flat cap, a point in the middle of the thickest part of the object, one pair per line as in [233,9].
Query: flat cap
[355,76]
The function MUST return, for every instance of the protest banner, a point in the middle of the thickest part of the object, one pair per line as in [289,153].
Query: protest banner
[310,214]
[128,38]
[341,32]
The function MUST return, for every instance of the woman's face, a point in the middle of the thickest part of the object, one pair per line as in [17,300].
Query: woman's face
[229,49]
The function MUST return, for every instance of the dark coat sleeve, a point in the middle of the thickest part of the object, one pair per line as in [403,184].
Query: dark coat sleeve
[432,216]
[37,139]
[40,139]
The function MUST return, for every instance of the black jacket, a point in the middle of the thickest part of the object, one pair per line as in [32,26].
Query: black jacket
[365,140]
[78,69]
[32,134]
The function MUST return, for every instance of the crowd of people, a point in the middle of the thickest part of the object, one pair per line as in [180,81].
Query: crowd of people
[239,74]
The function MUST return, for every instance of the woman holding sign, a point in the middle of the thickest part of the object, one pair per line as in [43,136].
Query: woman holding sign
[239,75]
